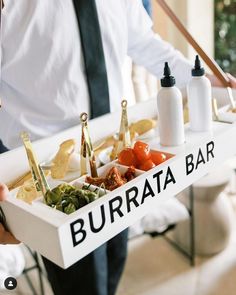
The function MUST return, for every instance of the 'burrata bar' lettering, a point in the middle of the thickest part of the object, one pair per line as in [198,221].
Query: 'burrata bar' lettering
[120,206]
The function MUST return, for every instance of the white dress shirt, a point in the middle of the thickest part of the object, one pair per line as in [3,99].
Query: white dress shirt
[12,263]
[43,87]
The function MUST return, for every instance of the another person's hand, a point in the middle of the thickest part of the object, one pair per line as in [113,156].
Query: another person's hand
[217,83]
[5,236]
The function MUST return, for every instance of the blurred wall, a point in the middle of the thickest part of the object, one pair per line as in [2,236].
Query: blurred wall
[196,15]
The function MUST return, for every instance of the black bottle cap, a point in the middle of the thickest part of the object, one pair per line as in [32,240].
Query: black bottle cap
[167,80]
[198,71]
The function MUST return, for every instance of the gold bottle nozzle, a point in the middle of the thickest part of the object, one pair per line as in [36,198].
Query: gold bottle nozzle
[38,176]
[124,133]
[86,149]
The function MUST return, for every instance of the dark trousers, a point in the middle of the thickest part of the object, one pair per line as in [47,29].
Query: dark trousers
[96,274]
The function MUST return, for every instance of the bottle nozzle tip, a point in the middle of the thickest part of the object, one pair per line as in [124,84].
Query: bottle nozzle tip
[197,62]
[167,72]
[198,70]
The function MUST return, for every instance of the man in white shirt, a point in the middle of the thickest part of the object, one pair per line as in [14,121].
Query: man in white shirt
[43,82]
[44,90]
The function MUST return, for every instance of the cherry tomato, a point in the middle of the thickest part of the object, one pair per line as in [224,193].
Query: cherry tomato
[142,151]
[147,165]
[158,157]
[127,157]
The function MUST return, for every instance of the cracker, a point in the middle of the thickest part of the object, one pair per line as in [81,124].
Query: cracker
[61,160]
[142,126]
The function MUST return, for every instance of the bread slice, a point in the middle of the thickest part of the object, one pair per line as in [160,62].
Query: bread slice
[61,160]
[142,126]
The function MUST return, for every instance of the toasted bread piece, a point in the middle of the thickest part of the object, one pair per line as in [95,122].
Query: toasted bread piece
[27,192]
[186,115]
[133,135]
[61,160]
[103,144]
[114,151]
[142,126]
[19,180]
[23,179]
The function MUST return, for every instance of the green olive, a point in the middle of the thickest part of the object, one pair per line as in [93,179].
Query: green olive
[70,208]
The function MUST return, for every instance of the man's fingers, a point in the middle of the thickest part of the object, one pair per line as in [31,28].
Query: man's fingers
[3,191]
[217,83]
[6,237]
[232,80]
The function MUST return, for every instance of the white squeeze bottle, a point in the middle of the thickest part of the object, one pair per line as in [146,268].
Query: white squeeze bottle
[170,111]
[199,99]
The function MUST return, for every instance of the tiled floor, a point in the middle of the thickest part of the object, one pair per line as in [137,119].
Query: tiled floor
[154,267]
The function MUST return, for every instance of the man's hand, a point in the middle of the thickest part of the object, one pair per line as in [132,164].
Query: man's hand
[217,83]
[3,192]
[5,236]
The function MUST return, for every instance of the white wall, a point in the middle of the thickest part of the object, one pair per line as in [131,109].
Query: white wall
[200,20]
[196,15]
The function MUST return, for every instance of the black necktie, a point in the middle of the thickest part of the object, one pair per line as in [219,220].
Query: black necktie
[91,40]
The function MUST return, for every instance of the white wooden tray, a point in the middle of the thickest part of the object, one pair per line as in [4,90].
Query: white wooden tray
[65,239]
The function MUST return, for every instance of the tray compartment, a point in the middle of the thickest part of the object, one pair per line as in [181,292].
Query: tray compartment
[102,172]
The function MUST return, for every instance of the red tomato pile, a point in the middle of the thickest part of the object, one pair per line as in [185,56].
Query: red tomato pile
[141,157]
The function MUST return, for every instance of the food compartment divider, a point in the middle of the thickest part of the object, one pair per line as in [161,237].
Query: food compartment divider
[80,184]
[103,170]
[225,115]
[65,239]
[39,204]
[161,150]
[40,201]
